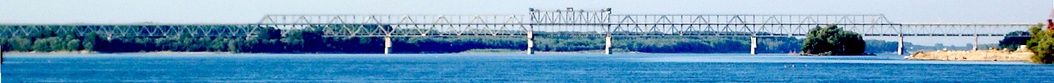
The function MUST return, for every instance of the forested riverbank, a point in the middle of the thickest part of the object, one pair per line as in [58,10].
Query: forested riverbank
[309,41]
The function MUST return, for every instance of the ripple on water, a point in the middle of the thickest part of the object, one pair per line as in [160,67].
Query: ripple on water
[882,59]
[507,68]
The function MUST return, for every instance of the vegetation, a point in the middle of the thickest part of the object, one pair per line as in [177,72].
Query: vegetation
[1011,42]
[269,40]
[1041,43]
[832,40]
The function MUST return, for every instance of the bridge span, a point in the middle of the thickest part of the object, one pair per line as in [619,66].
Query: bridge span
[545,23]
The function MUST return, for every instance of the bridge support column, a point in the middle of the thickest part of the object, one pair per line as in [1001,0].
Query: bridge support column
[1,54]
[900,45]
[753,45]
[530,42]
[607,46]
[975,42]
[387,44]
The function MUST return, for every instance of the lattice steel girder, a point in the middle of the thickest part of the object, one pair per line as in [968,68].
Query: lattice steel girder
[569,22]
[684,30]
[569,19]
[513,29]
[570,15]
[964,29]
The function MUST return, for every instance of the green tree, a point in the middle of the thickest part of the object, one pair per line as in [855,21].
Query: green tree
[832,40]
[73,45]
[267,33]
[19,44]
[46,44]
[90,41]
[1012,41]
[1042,44]
[4,45]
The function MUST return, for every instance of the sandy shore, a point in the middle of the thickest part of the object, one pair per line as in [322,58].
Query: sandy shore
[976,55]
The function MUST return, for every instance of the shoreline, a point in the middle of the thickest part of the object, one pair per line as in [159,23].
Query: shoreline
[94,52]
[175,52]
[973,55]
[970,60]
[500,51]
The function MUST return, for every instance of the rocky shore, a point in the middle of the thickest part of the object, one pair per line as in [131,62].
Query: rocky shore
[1022,54]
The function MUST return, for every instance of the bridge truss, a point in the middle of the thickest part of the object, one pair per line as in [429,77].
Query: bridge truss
[543,23]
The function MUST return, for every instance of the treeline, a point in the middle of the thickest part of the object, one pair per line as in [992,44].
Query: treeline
[1041,43]
[270,40]
[50,40]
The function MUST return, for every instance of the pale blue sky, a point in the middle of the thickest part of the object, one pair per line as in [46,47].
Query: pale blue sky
[249,11]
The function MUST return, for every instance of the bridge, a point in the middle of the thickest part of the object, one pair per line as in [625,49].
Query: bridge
[546,23]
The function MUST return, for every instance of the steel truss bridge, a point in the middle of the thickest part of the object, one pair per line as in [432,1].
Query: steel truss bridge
[543,23]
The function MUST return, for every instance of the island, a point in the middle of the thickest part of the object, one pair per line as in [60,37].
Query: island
[831,40]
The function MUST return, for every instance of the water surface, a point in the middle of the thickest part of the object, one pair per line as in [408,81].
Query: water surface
[506,68]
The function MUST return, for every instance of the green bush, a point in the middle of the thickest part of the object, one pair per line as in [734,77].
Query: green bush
[1041,43]
[73,45]
[1012,43]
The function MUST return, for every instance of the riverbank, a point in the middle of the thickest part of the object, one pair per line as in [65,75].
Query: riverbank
[93,52]
[473,51]
[974,55]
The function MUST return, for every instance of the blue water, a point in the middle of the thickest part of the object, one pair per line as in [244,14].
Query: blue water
[507,68]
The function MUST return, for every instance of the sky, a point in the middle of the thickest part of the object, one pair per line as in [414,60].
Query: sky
[250,11]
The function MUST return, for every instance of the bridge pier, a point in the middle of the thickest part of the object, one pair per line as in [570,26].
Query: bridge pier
[753,45]
[607,45]
[387,44]
[1,54]
[975,42]
[900,45]
[530,42]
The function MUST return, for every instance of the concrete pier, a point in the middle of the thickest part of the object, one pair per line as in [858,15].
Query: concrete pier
[607,45]
[753,45]
[975,48]
[530,42]
[900,45]
[387,45]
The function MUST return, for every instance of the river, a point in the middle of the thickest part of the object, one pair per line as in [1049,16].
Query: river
[506,68]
